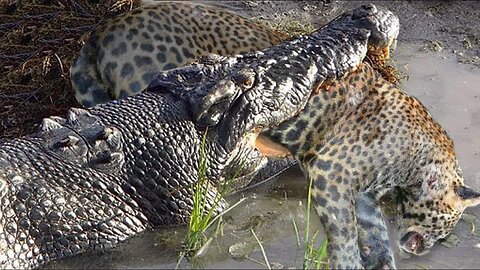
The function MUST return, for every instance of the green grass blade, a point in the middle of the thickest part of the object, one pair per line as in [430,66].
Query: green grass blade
[202,216]
[182,256]
[322,256]
[307,227]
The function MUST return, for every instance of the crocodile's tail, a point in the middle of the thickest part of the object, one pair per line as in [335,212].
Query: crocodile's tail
[86,78]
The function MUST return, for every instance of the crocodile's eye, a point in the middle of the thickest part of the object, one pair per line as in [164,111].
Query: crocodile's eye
[248,83]
[245,78]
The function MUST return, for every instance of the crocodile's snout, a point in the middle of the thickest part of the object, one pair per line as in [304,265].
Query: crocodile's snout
[383,24]
[284,77]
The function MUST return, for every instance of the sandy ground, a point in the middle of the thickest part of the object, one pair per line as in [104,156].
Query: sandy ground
[438,25]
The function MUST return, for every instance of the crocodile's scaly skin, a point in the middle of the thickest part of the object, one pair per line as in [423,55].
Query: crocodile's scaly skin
[101,175]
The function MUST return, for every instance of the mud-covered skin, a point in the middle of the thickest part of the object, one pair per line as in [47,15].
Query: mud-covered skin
[99,176]
[124,53]
[363,134]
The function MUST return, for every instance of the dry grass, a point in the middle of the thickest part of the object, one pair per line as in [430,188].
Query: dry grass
[39,39]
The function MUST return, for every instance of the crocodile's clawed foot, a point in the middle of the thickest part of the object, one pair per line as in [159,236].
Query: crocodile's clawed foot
[82,139]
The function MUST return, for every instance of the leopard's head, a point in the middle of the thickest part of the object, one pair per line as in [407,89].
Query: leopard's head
[429,210]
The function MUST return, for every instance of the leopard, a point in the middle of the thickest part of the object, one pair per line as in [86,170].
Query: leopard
[361,138]
[123,53]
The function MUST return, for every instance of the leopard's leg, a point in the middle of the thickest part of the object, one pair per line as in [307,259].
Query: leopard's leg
[373,238]
[335,205]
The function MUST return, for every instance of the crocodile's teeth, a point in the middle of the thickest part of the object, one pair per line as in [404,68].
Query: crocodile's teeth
[49,124]
[74,114]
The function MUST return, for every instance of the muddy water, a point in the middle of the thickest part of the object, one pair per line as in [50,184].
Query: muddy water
[451,92]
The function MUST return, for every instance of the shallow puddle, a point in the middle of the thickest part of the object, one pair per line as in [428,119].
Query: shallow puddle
[450,91]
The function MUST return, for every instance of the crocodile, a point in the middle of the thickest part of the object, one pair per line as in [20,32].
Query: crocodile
[99,176]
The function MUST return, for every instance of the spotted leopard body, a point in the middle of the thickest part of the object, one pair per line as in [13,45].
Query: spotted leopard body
[362,136]
[123,53]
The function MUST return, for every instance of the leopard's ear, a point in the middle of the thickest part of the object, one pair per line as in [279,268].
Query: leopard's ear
[468,195]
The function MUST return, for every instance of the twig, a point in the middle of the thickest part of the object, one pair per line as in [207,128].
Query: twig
[261,248]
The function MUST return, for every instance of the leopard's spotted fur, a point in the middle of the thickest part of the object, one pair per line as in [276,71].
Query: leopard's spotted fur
[125,52]
[363,135]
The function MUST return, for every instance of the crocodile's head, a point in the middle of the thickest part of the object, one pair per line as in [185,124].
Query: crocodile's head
[236,98]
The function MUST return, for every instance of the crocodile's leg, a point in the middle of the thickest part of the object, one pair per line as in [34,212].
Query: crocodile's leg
[372,234]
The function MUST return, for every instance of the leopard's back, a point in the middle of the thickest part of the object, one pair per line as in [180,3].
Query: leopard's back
[123,53]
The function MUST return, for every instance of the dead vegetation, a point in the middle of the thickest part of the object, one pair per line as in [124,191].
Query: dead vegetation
[38,42]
